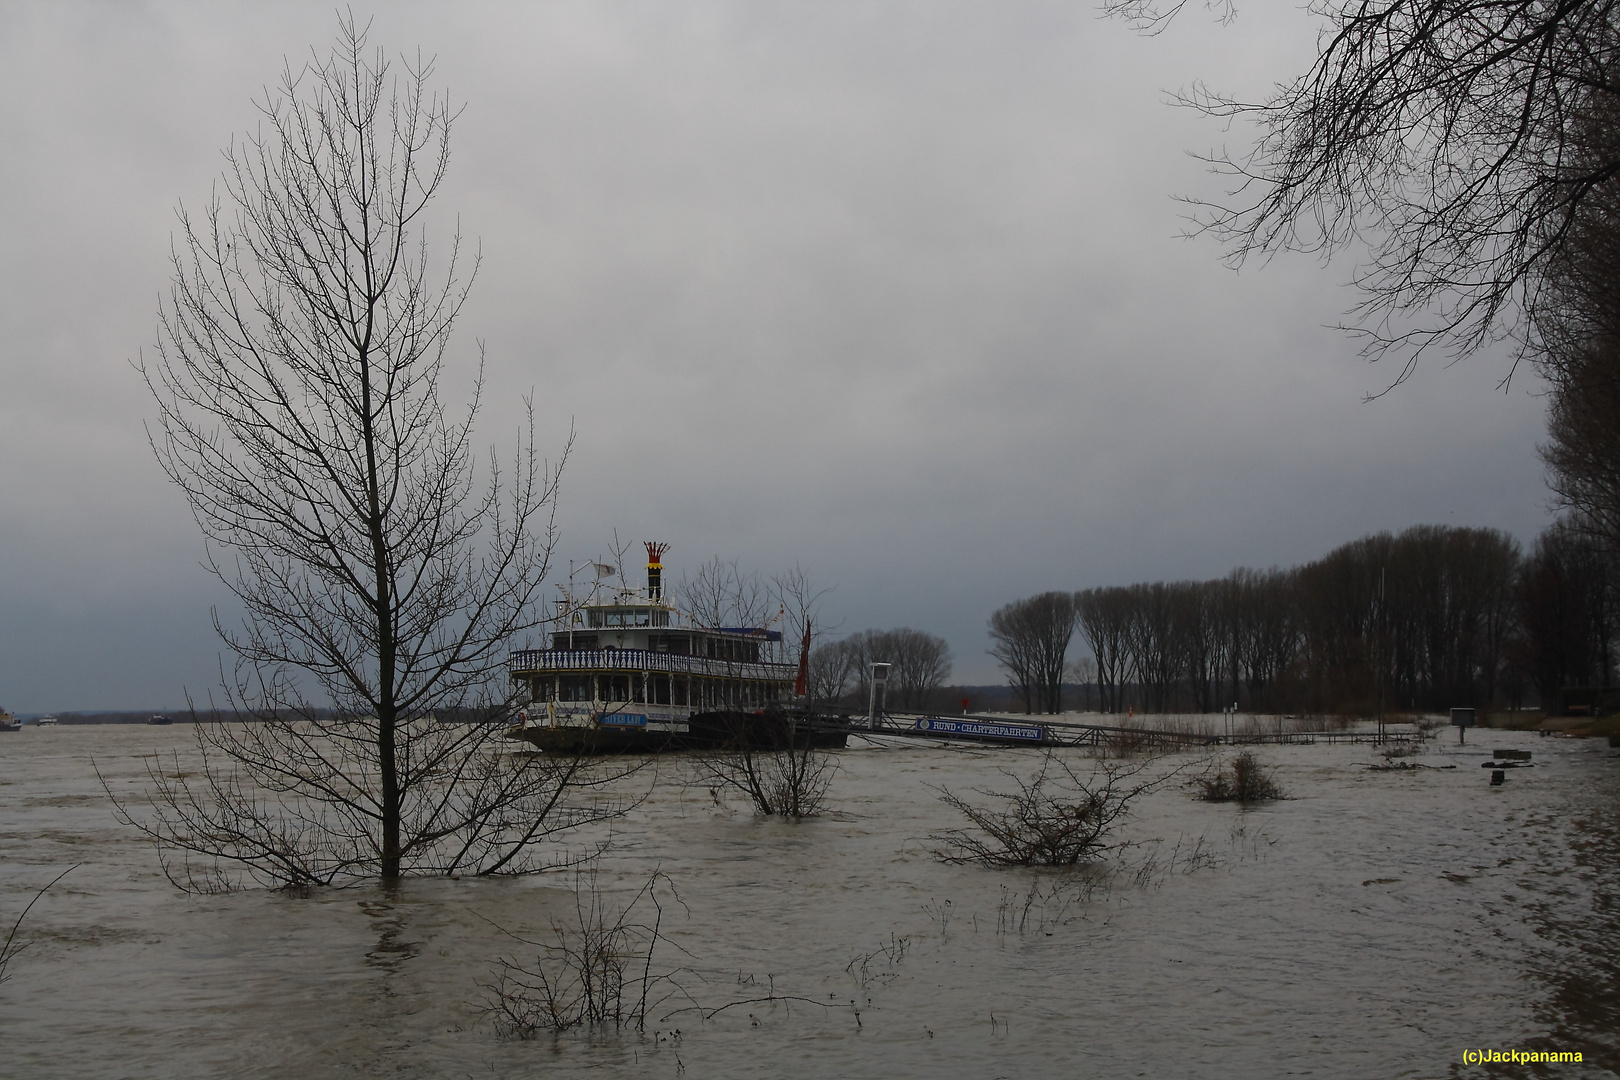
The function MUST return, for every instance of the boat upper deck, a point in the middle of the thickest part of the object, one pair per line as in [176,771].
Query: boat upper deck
[537,661]
[623,629]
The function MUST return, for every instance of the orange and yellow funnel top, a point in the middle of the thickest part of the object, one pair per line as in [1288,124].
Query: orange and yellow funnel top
[655,568]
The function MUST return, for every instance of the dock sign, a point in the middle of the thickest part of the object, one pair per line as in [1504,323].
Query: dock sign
[984,729]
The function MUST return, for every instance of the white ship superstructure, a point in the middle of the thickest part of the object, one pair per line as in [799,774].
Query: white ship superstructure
[629,659]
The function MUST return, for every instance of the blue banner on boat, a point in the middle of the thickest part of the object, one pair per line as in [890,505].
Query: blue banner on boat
[624,720]
[981,728]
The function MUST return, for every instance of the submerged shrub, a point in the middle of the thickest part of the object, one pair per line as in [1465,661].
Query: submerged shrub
[1057,817]
[595,972]
[1244,780]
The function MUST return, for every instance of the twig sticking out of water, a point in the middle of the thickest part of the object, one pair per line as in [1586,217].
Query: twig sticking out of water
[12,947]
[1185,857]
[865,971]
[773,998]
[586,976]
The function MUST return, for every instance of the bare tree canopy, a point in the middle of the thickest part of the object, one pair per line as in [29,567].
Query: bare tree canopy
[1104,616]
[298,379]
[1569,600]
[1577,347]
[719,593]
[1032,644]
[833,666]
[1453,137]
[920,663]
[1431,615]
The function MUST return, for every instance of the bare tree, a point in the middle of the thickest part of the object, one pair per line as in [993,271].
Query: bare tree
[1449,135]
[800,600]
[298,380]
[1084,672]
[920,663]
[1157,653]
[832,669]
[1104,616]
[1032,643]
[1577,347]
[1264,629]
[1582,451]
[1568,609]
[772,760]
[720,594]
[1198,625]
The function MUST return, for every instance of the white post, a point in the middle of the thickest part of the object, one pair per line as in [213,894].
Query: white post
[879,678]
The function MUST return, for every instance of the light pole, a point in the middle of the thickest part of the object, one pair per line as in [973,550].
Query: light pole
[879,679]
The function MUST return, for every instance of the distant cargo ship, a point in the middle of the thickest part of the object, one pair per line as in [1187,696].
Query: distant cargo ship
[628,672]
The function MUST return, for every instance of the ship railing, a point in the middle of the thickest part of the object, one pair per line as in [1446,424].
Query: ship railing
[525,661]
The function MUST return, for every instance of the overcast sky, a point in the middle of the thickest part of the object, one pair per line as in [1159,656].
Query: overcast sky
[893,291]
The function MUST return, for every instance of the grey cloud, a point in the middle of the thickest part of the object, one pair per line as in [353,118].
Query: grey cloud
[892,291]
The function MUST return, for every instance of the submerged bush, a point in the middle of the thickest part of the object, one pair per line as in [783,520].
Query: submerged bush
[595,972]
[1057,817]
[1244,780]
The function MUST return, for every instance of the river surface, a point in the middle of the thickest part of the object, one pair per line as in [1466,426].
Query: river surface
[1376,924]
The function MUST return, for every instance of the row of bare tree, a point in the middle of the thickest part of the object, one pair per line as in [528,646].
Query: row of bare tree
[1430,618]
[919,665]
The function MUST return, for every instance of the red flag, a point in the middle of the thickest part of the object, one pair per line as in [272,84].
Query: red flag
[802,683]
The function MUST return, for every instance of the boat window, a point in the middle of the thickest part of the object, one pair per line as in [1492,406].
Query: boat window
[600,617]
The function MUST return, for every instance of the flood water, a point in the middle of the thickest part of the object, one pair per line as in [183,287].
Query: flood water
[1376,924]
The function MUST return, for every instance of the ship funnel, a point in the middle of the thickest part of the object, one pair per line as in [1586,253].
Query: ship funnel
[655,568]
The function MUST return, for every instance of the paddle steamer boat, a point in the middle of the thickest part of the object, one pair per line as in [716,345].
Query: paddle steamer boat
[628,671]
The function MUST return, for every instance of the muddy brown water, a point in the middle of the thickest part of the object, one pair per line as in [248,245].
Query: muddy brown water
[1377,924]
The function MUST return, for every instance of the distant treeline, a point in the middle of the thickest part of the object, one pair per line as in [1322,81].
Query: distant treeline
[1432,618]
[919,663]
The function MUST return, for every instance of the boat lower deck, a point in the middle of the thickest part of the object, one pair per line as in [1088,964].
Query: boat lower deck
[704,731]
